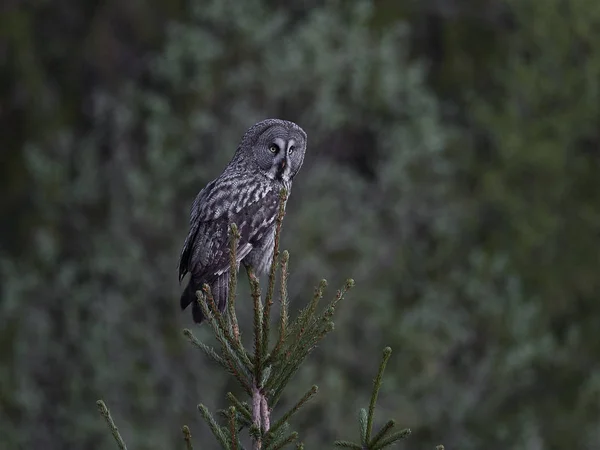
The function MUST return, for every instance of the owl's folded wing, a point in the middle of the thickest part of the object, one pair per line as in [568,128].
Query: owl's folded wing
[206,249]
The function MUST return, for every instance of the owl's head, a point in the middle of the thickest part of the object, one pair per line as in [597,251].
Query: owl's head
[276,146]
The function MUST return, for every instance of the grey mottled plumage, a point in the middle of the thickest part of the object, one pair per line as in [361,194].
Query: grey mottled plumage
[268,157]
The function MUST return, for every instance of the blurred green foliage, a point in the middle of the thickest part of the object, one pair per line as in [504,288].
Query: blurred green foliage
[454,149]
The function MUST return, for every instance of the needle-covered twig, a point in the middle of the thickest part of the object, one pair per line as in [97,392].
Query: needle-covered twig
[111,424]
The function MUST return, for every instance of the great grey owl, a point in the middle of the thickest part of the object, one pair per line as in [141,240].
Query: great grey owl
[247,193]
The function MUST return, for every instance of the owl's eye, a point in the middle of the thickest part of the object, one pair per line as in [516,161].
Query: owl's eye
[273,148]
[291,149]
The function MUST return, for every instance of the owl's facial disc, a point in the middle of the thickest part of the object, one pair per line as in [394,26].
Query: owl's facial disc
[281,167]
[278,150]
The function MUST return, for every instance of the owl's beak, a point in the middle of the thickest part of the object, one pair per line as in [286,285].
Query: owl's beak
[283,164]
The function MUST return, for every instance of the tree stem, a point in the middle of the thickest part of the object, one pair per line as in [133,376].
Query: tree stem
[261,416]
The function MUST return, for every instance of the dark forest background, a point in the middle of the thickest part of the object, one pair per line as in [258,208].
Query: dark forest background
[452,171]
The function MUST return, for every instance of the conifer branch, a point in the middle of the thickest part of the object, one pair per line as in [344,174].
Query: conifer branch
[283,306]
[233,428]
[214,426]
[266,320]
[304,328]
[384,430]
[242,408]
[111,424]
[305,398]
[299,326]
[300,352]
[210,302]
[306,332]
[288,371]
[310,330]
[387,352]
[234,238]
[257,303]
[209,351]
[331,308]
[363,424]
[254,432]
[217,323]
[277,435]
[233,364]
[285,441]
[238,376]
[383,438]
[348,444]
[187,437]
[391,439]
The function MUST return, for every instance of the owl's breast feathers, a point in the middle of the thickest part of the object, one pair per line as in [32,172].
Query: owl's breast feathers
[251,205]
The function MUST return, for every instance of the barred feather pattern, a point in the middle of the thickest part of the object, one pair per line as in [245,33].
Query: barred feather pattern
[243,194]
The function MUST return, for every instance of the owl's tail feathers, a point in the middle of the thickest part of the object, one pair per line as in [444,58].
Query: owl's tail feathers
[219,289]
